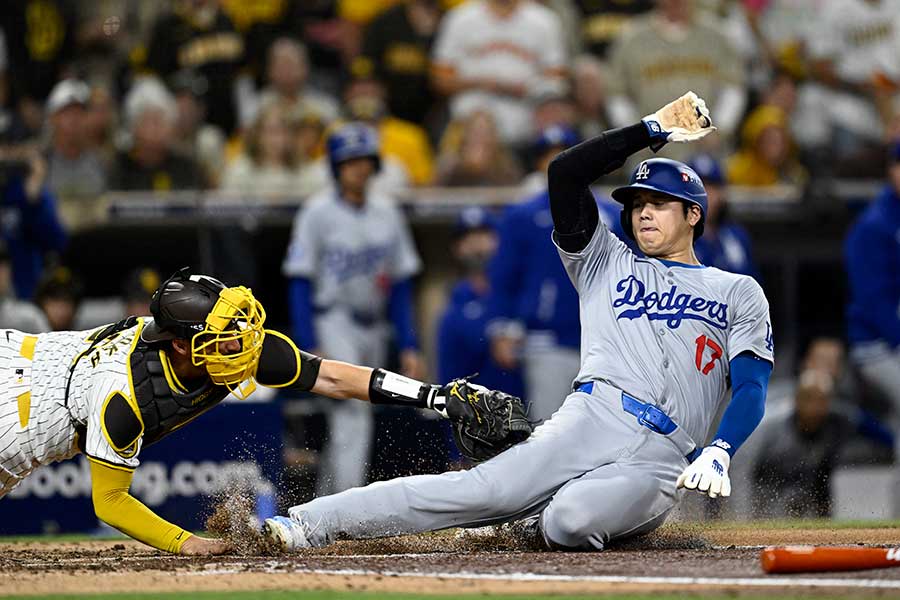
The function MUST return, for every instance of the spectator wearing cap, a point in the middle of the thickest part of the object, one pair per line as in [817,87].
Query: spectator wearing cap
[725,244]
[151,163]
[58,294]
[767,155]
[462,348]
[75,171]
[872,254]
[533,307]
[15,313]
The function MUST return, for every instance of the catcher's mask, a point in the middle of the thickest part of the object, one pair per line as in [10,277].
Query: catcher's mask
[223,324]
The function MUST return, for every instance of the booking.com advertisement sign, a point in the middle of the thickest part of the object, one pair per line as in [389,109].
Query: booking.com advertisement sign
[233,448]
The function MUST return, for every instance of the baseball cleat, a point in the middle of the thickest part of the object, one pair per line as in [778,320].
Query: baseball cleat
[286,533]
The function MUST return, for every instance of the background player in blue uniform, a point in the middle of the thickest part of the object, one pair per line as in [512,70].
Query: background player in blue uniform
[872,251]
[725,244]
[462,348]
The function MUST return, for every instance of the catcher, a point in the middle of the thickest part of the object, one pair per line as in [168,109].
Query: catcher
[110,392]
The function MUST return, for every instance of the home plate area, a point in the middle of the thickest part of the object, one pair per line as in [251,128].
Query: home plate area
[677,558]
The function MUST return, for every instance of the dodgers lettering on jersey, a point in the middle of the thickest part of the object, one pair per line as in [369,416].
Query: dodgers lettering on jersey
[351,255]
[670,306]
[665,332]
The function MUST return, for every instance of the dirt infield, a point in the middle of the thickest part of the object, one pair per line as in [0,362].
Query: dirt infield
[678,557]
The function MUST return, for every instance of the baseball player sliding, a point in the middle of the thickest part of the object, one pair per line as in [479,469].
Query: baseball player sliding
[662,337]
[110,392]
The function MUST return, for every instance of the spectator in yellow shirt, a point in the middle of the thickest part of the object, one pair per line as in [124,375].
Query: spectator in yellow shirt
[766,156]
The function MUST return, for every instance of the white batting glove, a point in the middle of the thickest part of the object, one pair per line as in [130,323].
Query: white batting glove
[683,120]
[708,473]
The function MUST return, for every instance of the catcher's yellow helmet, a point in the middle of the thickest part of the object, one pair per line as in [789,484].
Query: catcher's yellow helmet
[224,326]
[230,344]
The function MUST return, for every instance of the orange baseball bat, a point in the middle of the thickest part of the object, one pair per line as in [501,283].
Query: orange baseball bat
[809,559]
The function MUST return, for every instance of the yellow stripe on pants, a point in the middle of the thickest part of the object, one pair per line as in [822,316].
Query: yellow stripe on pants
[24,399]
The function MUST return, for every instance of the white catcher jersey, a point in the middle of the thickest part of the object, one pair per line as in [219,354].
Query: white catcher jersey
[351,254]
[36,423]
[665,332]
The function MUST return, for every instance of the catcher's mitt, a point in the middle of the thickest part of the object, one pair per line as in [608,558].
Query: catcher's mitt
[485,422]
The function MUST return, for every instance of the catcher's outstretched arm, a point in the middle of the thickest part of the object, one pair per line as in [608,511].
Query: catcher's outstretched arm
[283,365]
[115,506]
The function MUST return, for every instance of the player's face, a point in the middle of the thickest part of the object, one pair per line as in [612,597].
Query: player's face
[659,224]
[229,347]
[354,174]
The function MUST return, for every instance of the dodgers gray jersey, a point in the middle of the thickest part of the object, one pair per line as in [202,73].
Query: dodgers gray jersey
[351,254]
[665,332]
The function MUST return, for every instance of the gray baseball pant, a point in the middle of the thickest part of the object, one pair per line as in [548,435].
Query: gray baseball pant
[591,471]
[545,394]
[345,458]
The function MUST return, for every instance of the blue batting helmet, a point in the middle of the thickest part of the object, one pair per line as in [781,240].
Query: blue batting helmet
[668,177]
[353,140]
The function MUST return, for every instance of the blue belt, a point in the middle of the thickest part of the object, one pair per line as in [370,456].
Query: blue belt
[647,415]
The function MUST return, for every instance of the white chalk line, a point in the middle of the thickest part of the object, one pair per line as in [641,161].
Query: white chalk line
[623,579]
[118,559]
[280,566]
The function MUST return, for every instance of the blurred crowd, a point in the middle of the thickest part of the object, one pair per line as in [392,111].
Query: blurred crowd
[245,98]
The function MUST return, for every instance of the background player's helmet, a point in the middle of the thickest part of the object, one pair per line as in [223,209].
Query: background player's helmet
[708,168]
[203,310]
[352,140]
[668,177]
[555,136]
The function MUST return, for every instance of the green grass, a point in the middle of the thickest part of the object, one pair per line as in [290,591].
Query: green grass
[795,524]
[335,595]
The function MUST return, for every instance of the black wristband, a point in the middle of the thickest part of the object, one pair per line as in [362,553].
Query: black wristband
[387,387]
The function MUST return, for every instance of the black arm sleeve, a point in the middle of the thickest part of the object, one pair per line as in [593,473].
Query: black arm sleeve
[282,365]
[575,214]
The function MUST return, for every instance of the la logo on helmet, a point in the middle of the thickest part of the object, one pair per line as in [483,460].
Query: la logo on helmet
[643,172]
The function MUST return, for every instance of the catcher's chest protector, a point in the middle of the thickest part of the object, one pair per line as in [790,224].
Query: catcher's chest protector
[162,410]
